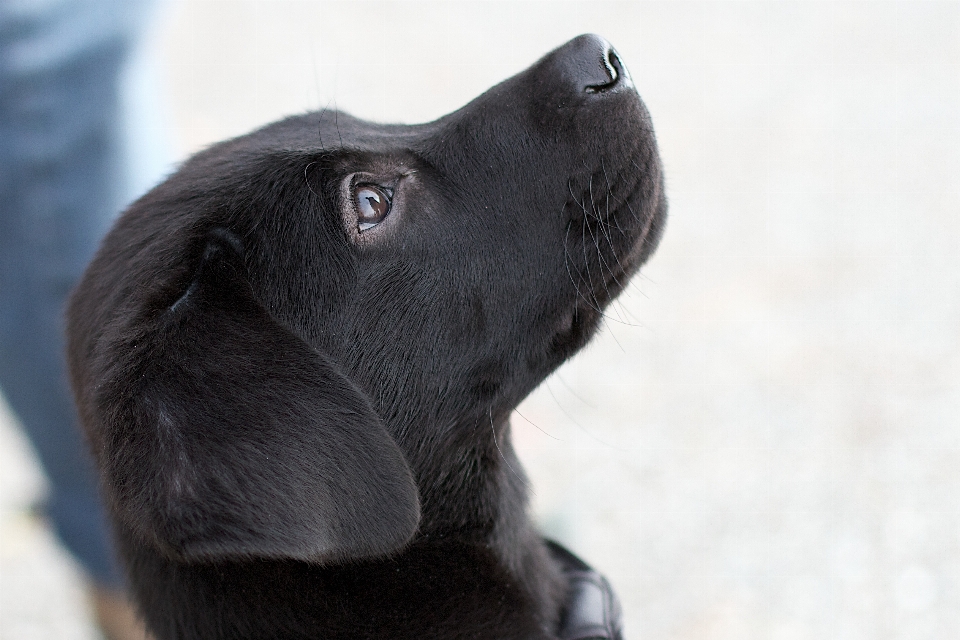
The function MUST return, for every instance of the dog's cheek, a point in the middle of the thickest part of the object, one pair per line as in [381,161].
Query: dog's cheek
[466,316]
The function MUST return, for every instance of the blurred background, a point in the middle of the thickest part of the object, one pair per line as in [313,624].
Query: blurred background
[764,439]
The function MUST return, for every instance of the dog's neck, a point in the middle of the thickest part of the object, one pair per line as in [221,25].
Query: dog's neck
[476,490]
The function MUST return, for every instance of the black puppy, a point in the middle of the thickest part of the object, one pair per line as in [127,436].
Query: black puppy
[297,357]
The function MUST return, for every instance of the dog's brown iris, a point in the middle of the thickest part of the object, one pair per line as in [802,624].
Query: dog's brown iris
[373,205]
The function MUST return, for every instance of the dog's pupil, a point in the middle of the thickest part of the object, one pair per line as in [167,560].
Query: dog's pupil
[373,205]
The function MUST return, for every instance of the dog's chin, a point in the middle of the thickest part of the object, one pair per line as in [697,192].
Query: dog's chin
[573,332]
[614,214]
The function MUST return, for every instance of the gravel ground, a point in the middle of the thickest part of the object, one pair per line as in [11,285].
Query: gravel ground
[764,440]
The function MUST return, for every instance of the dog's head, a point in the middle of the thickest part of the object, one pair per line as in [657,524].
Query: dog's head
[270,341]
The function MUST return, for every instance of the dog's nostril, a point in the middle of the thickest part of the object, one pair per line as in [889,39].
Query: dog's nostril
[612,62]
[593,64]
[616,74]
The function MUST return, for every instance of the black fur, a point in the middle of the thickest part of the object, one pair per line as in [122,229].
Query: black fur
[302,428]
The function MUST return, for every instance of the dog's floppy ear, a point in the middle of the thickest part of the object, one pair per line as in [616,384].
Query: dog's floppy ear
[233,438]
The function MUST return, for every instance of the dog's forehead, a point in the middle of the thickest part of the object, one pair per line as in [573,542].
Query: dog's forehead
[339,132]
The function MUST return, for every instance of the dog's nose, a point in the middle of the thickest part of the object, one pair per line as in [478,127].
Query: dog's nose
[593,64]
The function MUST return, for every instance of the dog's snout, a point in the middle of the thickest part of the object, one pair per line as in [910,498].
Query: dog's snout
[592,64]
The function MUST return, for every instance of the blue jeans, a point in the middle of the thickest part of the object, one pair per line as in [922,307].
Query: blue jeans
[63,154]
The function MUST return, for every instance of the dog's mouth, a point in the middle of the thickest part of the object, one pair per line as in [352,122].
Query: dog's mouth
[613,215]
[613,218]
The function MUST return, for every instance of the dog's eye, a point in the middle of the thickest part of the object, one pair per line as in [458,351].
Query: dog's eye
[373,205]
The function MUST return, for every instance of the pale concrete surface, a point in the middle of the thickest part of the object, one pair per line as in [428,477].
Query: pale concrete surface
[764,441]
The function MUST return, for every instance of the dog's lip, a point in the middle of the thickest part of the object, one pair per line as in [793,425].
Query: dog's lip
[616,280]
[617,267]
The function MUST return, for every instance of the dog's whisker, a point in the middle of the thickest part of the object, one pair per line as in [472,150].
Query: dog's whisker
[590,192]
[612,334]
[622,312]
[573,196]
[627,312]
[516,411]
[608,217]
[306,179]
[336,123]
[586,258]
[566,264]
[496,443]
[642,238]
[572,392]
[580,294]
[573,281]
[323,112]
[601,264]
[643,235]
[643,276]
[583,243]
[637,289]
[575,422]
[596,241]
[592,303]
